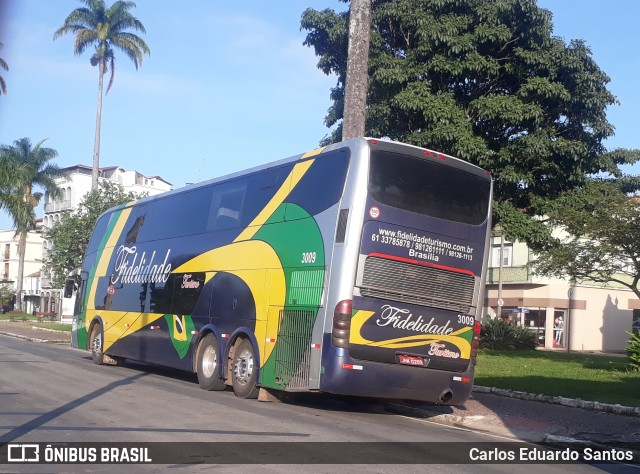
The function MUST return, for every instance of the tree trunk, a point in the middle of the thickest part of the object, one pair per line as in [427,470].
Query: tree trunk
[95,170]
[355,96]
[22,246]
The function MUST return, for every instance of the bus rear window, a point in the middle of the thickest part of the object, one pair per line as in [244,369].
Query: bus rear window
[431,188]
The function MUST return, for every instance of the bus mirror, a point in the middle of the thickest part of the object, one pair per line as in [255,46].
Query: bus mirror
[69,287]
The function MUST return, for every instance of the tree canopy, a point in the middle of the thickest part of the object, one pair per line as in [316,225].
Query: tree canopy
[597,236]
[68,238]
[3,83]
[24,167]
[487,82]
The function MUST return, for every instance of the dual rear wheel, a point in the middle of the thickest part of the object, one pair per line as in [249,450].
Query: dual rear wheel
[244,371]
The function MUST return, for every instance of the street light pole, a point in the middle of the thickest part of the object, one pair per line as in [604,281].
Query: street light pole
[500,272]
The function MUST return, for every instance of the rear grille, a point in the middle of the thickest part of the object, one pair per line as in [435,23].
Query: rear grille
[417,284]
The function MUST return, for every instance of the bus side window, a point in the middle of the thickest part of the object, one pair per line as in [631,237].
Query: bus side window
[227,205]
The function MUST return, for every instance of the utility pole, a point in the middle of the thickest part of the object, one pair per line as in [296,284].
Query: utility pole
[355,95]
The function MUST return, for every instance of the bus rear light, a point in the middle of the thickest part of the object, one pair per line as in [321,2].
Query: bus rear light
[315,346]
[462,379]
[341,324]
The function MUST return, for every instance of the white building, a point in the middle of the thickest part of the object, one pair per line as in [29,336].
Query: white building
[586,316]
[78,184]
[74,188]
[32,265]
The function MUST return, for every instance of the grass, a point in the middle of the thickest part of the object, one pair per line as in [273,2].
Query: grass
[17,317]
[36,322]
[54,326]
[593,377]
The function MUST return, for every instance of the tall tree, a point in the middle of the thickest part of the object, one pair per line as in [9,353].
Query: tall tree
[22,168]
[355,97]
[106,28]
[3,65]
[487,82]
[70,235]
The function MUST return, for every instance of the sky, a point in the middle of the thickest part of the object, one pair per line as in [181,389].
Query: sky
[228,85]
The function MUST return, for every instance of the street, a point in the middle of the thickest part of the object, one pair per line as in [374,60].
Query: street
[51,393]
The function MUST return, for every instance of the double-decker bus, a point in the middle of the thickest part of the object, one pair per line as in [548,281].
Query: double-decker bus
[354,269]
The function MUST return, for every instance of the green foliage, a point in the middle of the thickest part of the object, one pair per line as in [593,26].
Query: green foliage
[633,351]
[597,236]
[105,28]
[70,236]
[497,334]
[3,84]
[24,167]
[487,82]
[6,293]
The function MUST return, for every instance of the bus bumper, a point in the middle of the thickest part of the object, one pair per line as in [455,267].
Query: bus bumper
[346,376]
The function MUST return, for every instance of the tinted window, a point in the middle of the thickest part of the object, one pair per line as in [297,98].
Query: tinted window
[427,187]
[322,186]
[99,232]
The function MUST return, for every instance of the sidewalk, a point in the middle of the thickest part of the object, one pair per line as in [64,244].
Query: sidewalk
[26,331]
[504,413]
[529,420]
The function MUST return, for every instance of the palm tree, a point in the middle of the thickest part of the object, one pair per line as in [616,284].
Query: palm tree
[3,65]
[23,167]
[105,28]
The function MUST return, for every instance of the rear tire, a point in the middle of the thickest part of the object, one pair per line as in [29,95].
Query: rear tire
[245,371]
[96,344]
[208,364]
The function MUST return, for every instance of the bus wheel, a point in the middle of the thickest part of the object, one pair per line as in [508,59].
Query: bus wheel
[244,371]
[208,364]
[95,344]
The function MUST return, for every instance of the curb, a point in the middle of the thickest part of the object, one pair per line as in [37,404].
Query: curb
[567,402]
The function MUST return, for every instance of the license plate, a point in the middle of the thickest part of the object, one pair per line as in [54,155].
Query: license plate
[411,360]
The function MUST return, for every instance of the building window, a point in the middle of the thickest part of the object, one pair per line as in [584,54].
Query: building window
[507,256]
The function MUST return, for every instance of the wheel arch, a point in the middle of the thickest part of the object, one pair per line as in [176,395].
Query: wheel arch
[202,333]
[96,320]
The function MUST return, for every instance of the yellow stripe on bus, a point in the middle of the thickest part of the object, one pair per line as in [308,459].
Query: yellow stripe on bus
[290,182]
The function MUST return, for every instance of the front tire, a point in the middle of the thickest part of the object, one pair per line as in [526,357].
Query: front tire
[96,344]
[245,371]
[208,364]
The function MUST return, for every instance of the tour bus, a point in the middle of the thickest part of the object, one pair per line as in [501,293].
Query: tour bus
[354,269]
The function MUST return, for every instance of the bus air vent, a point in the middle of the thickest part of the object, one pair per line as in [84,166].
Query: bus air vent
[417,284]
[293,349]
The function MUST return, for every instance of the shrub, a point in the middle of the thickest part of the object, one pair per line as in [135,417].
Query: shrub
[633,351]
[498,334]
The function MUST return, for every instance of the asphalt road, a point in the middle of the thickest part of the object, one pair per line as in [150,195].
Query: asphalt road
[53,393]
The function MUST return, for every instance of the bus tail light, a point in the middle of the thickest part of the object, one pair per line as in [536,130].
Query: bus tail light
[475,342]
[341,324]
